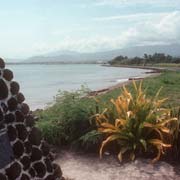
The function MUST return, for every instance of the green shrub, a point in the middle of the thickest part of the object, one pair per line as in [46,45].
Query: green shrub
[68,119]
[174,154]
[138,126]
[91,140]
[52,132]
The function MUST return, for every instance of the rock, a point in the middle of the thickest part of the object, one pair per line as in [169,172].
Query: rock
[36,154]
[48,164]
[21,131]
[30,121]
[25,108]
[20,96]
[45,148]
[8,75]
[19,116]
[14,88]
[35,136]
[9,118]
[3,177]
[13,172]
[40,169]
[25,177]
[28,147]
[2,64]
[3,90]
[24,153]
[12,134]
[18,149]
[25,160]
[12,104]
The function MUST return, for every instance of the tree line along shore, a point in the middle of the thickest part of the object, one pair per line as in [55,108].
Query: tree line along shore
[157,60]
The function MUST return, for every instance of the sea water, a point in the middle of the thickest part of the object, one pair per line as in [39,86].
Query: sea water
[40,83]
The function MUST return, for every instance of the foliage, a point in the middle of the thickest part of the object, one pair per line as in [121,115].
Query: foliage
[91,140]
[52,132]
[138,125]
[156,58]
[175,130]
[68,119]
[170,81]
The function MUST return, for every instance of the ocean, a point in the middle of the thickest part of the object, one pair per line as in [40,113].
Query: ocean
[40,83]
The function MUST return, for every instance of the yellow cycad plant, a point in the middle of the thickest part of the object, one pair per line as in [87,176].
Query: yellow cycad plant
[139,124]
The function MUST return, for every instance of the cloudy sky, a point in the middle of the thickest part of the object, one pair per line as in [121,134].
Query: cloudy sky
[31,27]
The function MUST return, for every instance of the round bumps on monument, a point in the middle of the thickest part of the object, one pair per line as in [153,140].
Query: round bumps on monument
[32,158]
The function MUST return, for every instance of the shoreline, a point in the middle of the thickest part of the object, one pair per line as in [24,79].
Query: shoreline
[155,69]
[155,72]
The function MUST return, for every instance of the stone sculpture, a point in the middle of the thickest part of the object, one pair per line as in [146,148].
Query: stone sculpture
[24,155]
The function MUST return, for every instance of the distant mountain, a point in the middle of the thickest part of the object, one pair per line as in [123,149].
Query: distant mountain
[76,57]
[13,60]
[59,53]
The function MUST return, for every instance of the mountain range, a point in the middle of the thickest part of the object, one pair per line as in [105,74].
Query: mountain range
[76,57]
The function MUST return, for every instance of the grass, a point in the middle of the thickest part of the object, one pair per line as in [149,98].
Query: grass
[166,65]
[169,81]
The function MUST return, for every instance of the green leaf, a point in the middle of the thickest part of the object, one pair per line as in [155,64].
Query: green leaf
[144,144]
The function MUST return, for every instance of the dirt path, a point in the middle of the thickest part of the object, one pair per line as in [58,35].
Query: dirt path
[88,167]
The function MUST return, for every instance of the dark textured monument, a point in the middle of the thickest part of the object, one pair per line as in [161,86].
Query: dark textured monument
[24,155]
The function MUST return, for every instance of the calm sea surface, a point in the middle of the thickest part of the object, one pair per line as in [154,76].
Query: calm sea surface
[40,83]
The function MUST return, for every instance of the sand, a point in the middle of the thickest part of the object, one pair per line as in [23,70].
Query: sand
[89,167]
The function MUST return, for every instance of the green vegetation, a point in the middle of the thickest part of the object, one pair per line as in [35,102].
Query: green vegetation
[67,120]
[71,121]
[169,81]
[138,125]
[157,59]
[167,65]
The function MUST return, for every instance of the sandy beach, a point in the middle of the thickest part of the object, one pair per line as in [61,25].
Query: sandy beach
[79,166]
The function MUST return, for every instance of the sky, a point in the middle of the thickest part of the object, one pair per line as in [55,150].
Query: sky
[33,27]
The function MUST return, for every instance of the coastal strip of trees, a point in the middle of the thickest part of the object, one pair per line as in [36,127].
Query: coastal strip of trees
[156,58]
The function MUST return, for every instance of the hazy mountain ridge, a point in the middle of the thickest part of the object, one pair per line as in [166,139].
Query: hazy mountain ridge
[76,57]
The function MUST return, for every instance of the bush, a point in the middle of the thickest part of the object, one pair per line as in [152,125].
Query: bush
[68,119]
[174,153]
[91,141]
[138,125]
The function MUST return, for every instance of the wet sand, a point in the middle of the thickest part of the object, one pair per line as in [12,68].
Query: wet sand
[89,167]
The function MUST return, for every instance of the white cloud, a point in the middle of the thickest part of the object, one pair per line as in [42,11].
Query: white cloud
[71,30]
[166,30]
[170,25]
[162,30]
[132,17]
[109,2]
[162,3]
